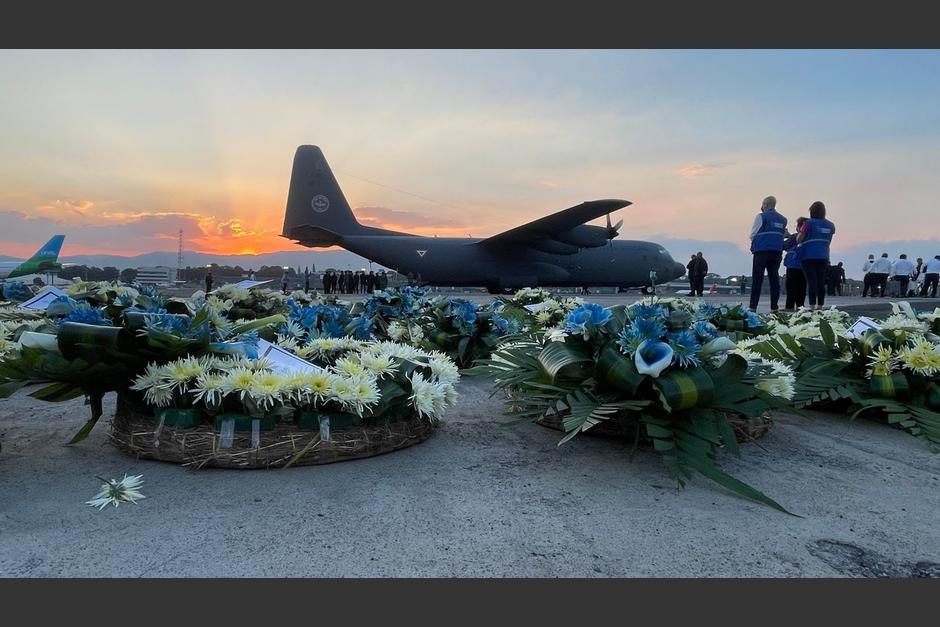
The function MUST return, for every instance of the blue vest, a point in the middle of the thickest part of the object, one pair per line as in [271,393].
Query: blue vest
[794,253]
[818,237]
[773,228]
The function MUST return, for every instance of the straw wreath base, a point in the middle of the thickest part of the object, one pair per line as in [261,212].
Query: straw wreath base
[745,429]
[134,434]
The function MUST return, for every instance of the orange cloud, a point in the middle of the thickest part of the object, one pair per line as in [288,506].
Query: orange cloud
[700,169]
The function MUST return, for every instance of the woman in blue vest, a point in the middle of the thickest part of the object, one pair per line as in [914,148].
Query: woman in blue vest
[767,234]
[814,239]
[795,279]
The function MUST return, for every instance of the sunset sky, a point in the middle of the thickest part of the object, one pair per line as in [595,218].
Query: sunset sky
[121,149]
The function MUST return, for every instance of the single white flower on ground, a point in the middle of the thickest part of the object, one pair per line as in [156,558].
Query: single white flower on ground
[114,492]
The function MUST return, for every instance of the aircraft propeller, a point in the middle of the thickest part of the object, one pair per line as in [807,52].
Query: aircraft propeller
[612,231]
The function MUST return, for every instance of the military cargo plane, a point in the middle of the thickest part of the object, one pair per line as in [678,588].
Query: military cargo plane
[559,250]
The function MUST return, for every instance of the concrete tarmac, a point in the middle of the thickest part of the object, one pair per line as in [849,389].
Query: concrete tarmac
[477,499]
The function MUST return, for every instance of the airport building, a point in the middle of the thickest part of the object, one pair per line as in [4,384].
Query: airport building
[157,275]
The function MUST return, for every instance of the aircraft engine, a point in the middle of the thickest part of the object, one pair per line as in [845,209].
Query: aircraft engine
[584,236]
[552,247]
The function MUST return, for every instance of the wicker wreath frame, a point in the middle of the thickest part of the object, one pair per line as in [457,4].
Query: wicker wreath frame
[134,433]
[746,429]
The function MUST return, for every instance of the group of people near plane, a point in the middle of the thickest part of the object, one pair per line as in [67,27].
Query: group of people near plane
[349,282]
[913,279]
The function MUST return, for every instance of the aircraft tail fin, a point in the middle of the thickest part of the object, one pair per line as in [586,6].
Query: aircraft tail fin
[44,260]
[315,203]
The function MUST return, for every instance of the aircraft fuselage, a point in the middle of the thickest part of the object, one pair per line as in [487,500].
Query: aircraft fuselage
[463,262]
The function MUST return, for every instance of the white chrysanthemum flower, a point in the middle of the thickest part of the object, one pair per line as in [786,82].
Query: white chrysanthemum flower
[883,362]
[416,333]
[443,369]
[378,364]
[151,378]
[114,492]
[349,366]
[158,396]
[209,389]
[178,374]
[266,389]
[287,342]
[900,322]
[543,317]
[319,384]
[782,386]
[428,398]
[395,330]
[239,381]
[922,357]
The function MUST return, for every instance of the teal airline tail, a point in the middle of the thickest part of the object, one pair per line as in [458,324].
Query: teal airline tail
[45,259]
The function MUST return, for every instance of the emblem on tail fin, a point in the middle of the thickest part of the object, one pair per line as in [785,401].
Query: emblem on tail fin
[320,203]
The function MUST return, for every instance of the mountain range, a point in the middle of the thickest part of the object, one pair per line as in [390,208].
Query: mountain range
[725,258]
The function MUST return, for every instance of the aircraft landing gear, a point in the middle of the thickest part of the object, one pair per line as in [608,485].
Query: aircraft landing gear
[647,290]
[493,289]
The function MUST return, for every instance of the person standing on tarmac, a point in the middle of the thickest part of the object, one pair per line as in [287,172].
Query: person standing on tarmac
[815,237]
[795,278]
[879,271]
[931,277]
[867,276]
[767,234]
[901,272]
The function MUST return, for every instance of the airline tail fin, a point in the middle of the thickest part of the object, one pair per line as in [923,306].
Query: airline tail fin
[44,260]
[317,212]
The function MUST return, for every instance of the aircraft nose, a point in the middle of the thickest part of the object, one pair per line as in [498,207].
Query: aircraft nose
[679,270]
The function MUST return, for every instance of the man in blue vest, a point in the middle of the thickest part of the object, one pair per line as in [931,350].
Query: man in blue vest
[767,235]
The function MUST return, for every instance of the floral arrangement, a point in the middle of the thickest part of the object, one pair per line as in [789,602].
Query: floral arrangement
[464,330]
[539,309]
[659,367]
[256,302]
[16,291]
[371,384]
[890,373]
[324,321]
[80,351]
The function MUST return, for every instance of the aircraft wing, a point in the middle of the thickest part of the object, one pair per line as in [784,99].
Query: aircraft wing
[556,223]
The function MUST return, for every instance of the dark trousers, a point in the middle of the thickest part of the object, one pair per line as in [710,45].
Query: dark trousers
[698,285]
[879,283]
[815,271]
[866,285]
[930,280]
[796,288]
[768,261]
[903,282]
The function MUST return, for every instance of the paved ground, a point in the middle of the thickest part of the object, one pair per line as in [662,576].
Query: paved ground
[477,499]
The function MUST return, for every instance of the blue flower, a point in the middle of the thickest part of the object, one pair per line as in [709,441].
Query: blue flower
[640,330]
[753,320]
[706,312]
[586,318]
[685,346]
[360,328]
[86,314]
[505,326]
[463,311]
[641,310]
[705,330]
[16,290]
